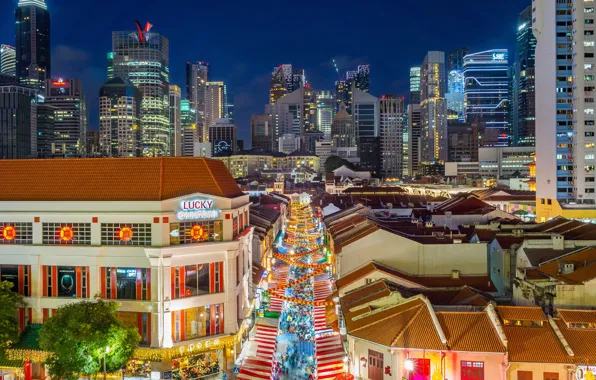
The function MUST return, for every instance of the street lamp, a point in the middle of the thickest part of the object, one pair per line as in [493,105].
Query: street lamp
[104,362]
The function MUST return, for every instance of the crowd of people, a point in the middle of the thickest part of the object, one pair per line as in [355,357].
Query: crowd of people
[295,364]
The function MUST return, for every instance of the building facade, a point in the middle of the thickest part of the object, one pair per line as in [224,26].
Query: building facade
[185,245]
[120,119]
[222,136]
[215,105]
[288,143]
[33,67]
[284,80]
[414,138]
[18,122]
[433,107]
[175,121]
[8,60]
[46,124]
[189,128]
[197,76]
[415,85]
[391,127]
[365,114]
[343,131]
[487,92]
[325,112]
[261,131]
[143,58]
[70,123]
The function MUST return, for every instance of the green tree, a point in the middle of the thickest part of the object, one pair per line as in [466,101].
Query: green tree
[78,335]
[334,162]
[10,302]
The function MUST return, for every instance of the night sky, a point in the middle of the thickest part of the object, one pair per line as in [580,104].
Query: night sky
[243,40]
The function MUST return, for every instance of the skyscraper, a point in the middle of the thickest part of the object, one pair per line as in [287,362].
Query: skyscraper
[565,109]
[523,108]
[18,122]
[222,136]
[70,126]
[342,94]
[391,126]
[365,114]
[119,119]
[310,109]
[487,92]
[325,112]
[33,66]
[284,80]
[46,121]
[343,131]
[359,79]
[455,95]
[229,114]
[362,79]
[433,107]
[455,60]
[175,123]
[142,57]
[414,139]
[215,105]
[197,76]
[190,130]
[261,130]
[282,121]
[414,85]
[8,60]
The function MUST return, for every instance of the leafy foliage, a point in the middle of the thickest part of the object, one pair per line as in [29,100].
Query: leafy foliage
[10,302]
[334,162]
[77,337]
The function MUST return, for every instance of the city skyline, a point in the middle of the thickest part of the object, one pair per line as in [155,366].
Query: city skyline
[247,71]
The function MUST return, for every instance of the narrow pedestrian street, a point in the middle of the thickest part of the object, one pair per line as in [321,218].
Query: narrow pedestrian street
[292,340]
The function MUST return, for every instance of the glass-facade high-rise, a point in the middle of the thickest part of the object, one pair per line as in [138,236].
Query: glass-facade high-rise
[8,60]
[415,85]
[455,95]
[487,93]
[455,59]
[325,112]
[197,76]
[523,118]
[284,80]
[143,57]
[190,132]
[433,108]
[359,79]
[32,32]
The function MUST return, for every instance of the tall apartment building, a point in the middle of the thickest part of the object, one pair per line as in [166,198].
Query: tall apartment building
[8,60]
[119,119]
[487,92]
[261,131]
[414,138]
[215,105]
[565,109]
[175,122]
[391,127]
[33,66]
[70,125]
[142,57]
[18,122]
[433,107]
[197,76]
[222,135]
[523,128]
[325,112]
[415,85]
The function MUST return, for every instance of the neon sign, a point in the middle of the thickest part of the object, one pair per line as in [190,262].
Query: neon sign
[197,209]
[498,56]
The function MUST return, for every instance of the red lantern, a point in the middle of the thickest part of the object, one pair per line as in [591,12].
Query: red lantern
[9,233]
[125,234]
[66,233]
[196,232]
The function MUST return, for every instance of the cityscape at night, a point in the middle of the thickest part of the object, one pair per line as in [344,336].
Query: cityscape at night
[298,190]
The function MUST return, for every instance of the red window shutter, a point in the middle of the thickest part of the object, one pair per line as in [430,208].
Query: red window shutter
[212,278]
[22,279]
[79,279]
[149,328]
[139,284]
[149,284]
[182,283]
[221,318]
[44,280]
[54,281]
[103,282]
[221,276]
[173,284]
[113,285]
[212,319]
[45,314]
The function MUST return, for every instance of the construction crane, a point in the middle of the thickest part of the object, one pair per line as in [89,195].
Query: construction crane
[336,68]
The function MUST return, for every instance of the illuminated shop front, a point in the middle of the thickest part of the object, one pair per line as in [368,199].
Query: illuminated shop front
[173,249]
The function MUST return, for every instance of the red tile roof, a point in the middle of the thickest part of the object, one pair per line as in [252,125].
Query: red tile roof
[582,342]
[114,179]
[584,266]
[521,313]
[470,331]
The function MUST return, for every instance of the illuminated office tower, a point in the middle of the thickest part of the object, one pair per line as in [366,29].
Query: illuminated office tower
[197,76]
[284,80]
[190,131]
[487,93]
[342,93]
[33,66]
[391,127]
[325,112]
[414,139]
[310,109]
[222,135]
[175,123]
[229,112]
[142,57]
[119,119]
[359,79]
[18,121]
[215,105]
[455,59]
[523,128]
[565,109]
[261,130]
[343,132]
[70,123]
[433,108]
[455,95]
[8,60]
[414,85]
[365,114]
